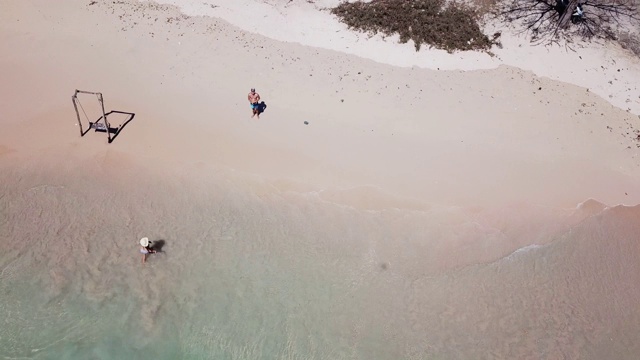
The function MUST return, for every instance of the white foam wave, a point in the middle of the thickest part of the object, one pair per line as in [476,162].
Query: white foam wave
[522,250]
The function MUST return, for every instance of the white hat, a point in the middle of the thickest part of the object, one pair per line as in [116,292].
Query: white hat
[144,241]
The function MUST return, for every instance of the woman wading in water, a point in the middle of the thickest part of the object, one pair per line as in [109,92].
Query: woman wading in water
[146,249]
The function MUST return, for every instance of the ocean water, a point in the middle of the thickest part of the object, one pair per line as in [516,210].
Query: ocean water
[253,269]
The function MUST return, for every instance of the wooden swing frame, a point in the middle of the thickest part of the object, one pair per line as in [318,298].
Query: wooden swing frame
[97,125]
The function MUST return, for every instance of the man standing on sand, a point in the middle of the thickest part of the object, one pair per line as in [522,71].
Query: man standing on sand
[254,98]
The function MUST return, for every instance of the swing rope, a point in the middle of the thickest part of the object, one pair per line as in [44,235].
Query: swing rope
[85,113]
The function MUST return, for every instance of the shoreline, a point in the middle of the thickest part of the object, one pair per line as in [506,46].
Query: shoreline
[373,211]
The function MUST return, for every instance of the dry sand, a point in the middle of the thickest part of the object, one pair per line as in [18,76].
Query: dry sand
[381,229]
[604,68]
[444,137]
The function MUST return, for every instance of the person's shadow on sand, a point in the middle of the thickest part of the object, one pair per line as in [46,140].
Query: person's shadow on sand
[157,245]
[262,107]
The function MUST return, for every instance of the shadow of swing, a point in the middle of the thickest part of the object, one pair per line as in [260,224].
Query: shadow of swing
[113,117]
[103,124]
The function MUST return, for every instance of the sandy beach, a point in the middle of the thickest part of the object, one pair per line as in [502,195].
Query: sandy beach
[387,204]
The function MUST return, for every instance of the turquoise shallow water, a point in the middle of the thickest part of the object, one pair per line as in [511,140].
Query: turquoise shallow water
[251,270]
[240,276]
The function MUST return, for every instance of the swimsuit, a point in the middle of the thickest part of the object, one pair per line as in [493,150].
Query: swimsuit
[254,106]
[144,251]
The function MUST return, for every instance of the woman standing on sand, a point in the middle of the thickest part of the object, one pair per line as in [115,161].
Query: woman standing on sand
[145,248]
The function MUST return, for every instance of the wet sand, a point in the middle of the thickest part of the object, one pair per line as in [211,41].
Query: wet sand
[251,271]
